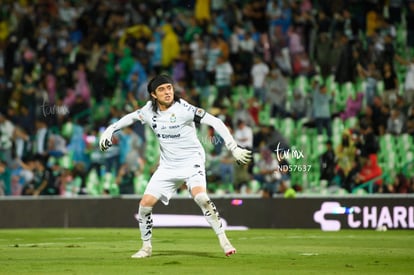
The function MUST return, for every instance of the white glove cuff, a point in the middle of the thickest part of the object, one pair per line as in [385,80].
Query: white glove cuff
[231,145]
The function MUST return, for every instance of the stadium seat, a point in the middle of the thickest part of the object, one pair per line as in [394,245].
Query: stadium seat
[380,87]
[140,183]
[264,115]
[107,181]
[288,127]
[66,161]
[301,82]
[93,185]
[347,89]
[351,122]
[405,142]
[360,85]
[387,143]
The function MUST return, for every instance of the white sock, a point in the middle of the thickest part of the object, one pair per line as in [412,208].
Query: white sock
[210,212]
[145,224]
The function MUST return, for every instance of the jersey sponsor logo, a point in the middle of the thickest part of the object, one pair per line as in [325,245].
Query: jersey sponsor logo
[169,136]
[174,126]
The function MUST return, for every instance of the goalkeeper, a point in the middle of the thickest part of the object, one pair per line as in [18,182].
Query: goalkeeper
[182,156]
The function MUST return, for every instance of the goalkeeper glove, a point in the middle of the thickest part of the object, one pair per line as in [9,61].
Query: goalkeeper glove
[242,156]
[106,139]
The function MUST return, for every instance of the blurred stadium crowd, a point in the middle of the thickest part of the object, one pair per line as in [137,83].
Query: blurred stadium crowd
[322,91]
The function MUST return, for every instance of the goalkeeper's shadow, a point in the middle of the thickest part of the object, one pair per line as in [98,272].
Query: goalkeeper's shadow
[202,254]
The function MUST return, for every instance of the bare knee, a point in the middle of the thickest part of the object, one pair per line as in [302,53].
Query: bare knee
[148,201]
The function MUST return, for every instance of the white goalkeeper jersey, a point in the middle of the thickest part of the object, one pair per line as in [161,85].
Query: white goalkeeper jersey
[176,132]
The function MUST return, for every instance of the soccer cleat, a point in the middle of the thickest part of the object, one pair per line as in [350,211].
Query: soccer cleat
[144,252]
[228,249]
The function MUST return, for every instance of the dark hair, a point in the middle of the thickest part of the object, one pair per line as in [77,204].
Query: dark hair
[157,81]
[153,85]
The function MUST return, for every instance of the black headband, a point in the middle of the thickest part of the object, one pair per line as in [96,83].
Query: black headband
[157,81]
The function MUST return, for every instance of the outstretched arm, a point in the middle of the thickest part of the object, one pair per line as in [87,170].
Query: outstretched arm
[106,138]
[242,156]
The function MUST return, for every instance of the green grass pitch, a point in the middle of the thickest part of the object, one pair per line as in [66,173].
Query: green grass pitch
[196,251]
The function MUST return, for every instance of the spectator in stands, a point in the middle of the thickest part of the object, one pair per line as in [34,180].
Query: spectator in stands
[380,114]
[42,176]
[369,171]
[254,107]
[79,110]
[371,76]
[255,11]
[247,46]
[22,143]
[213,53]
[130,150]
[368,142]
[353,106]
[5,188]
[277,139]
[409,81]
[396,122]
[56,146]
[125,180]
[66,185]
[321,101]
[7,133]
[268,174]
[241,112]
[394,9]
[198,67]
[328,163]
[323,54]
[323,23]
[402,105]
[261,138]
[299,105]
[258,73]
[223,81]
[241,179]
[170,46]
[345,68]
[243,134]
[24,119]
[276,92]
[346,164]
[391,85]
[409,17]
[226,168]
[41,138]
[409,127]
[401,185]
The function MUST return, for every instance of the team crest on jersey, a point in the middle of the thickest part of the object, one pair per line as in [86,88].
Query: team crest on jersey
[200,112]
[140,116]
[173,118]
